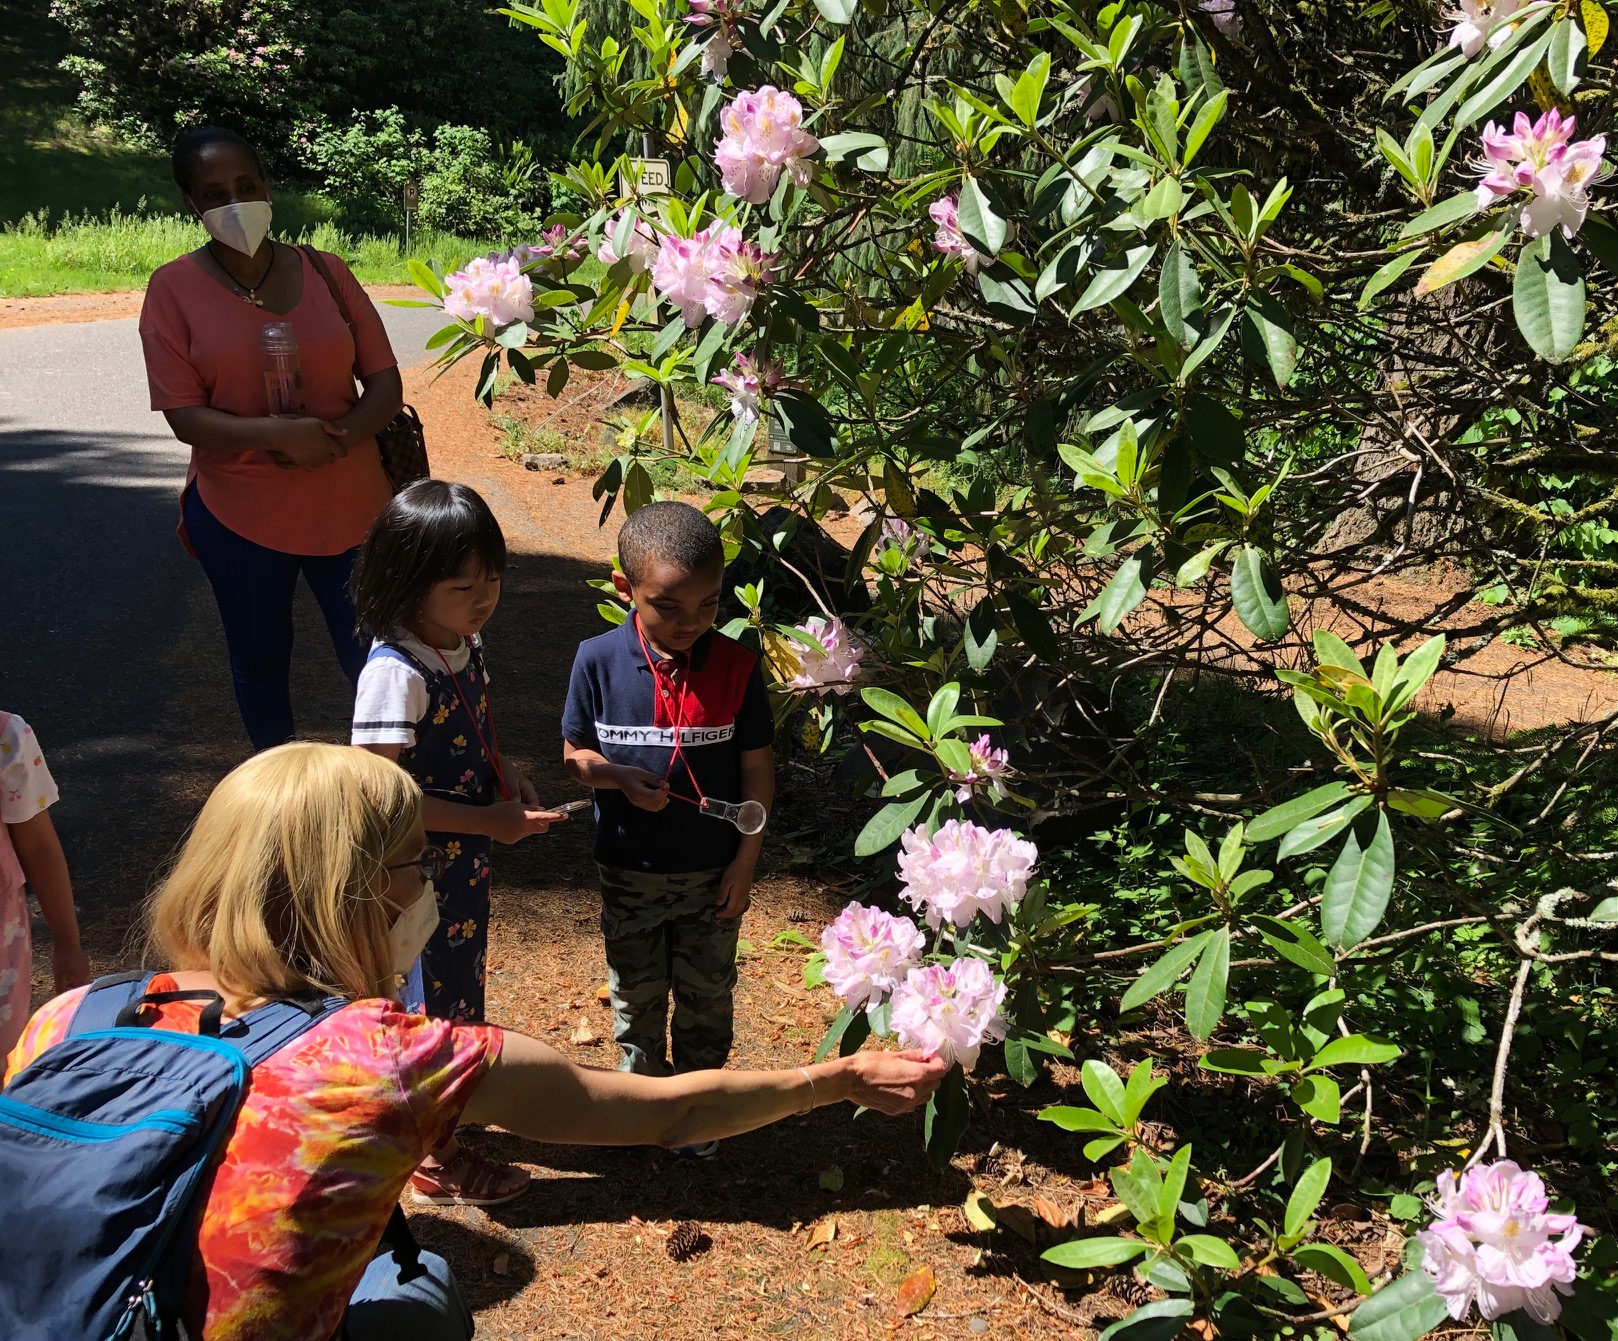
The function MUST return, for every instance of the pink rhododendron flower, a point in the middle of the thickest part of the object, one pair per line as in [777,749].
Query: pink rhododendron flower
[763,137]
[949,1011]
[1224,16]
[868,953]
[963,870]
[640,250]
[831,661]
[987,773]
[747,381]
[948,237]
[723,17]
[495,289]
[1542,157]
[1492,1244]
[741,270]
[713,271]
[1474,18]
[559,245]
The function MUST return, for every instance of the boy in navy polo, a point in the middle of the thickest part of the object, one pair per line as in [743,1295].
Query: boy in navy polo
[662,712]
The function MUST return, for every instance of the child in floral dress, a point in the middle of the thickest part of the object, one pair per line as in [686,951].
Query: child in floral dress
[31,858]
[427,580]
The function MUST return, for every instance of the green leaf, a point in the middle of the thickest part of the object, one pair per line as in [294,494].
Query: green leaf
[1105,1089]
[1387,276]
[1403,1310]
[1602,240]
[1164,973]
[1174,1179]
[1062,270]
[1564,61]
[1025,98]
[1267,328]
[1306,1195]
[1506,81]
[1292,942]
[1547,297]
[895,709]
[1077,1119]
[1257,595]
[1234,1061]
[1334,1264]
[837,1031]
[1139,1186]
[1085,1254]
[868,151]
[1319,1096]
[838,11]
[1355,1050]
[1219,328]
[1313,833]
[1142,1085]
[424,276]
[1113,279]
[1126,591]
[1441,215]
[1519,1326]
[1179,295]
[1206,1250]
[982,227]
[1207,119]
[885,827]
[1605,911]
[1159,1321]
[1357,888]
[1205,994]
[1289,814]
[1418,668]
[948,1112]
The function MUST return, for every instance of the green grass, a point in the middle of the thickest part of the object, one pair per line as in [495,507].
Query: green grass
[41,255]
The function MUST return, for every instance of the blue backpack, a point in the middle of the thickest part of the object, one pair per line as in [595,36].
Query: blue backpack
[105,1141]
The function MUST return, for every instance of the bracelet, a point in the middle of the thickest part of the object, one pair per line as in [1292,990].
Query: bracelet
[811,1081]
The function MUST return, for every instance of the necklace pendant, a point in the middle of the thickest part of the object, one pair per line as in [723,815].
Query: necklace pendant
[254,299]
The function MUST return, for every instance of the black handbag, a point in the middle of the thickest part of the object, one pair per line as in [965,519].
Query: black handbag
[400,442]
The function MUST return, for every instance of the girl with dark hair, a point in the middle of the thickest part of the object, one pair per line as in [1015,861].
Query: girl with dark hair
[284,476]
[427,580]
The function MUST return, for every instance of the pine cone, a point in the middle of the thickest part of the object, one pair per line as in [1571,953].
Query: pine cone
[686,1240]
[1132,1291]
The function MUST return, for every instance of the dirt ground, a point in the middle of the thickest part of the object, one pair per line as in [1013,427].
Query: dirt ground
[809,1229]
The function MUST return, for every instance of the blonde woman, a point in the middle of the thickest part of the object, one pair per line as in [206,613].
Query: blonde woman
[308,870]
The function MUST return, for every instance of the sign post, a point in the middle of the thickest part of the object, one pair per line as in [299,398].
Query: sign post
[780,446]
[648,176]
[412,198]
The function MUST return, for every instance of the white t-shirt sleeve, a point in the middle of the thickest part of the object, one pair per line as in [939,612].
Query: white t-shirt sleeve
[26,786]
[390,699]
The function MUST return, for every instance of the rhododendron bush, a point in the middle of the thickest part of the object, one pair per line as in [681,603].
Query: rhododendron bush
[1220,393]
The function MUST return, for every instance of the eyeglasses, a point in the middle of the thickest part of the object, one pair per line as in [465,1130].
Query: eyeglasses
[432,864]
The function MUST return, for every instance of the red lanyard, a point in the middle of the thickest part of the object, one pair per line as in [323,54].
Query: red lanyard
[494,754]
[679,719]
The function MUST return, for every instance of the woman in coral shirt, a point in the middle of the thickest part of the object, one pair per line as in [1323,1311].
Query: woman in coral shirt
[308,870]
[267,496]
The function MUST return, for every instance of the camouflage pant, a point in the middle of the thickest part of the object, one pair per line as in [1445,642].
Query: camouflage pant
[662,934]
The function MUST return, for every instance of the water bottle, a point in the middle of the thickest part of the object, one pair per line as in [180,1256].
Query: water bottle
[283,383]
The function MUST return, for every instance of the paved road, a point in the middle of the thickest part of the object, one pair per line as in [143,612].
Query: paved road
[112,646]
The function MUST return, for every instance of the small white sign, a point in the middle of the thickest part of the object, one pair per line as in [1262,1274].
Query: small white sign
[646,177]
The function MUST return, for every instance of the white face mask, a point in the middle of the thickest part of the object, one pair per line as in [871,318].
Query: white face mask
[412,929]
[241,227]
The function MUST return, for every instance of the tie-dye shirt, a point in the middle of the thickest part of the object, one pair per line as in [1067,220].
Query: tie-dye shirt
[330,1131]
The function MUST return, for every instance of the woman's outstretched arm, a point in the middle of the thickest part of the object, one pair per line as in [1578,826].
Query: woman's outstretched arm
[534,1091]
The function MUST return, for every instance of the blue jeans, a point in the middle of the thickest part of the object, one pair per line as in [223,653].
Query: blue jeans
[254,587]
[428,1308]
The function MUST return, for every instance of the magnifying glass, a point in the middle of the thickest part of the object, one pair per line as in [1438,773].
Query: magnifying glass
[748,816]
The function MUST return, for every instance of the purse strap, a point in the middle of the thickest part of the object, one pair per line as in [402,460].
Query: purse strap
[336,297]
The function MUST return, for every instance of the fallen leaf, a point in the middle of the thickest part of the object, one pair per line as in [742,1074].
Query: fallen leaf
[502,1264]
[917,1291]
[1050,1213]
[979,1211]
[1201,1327]
[584,1034]
[1114,1214]
[604,994]
[1020,1221]
[823,1235]
[1069,1278]
[831,1180]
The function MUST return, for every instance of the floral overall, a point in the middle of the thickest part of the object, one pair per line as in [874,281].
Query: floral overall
[448,760]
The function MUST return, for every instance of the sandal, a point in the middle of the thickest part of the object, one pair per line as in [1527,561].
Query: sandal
[470,1179]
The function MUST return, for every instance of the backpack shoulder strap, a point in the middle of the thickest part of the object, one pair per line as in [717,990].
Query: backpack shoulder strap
[324,272]
[99,1007]
[263,1032]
